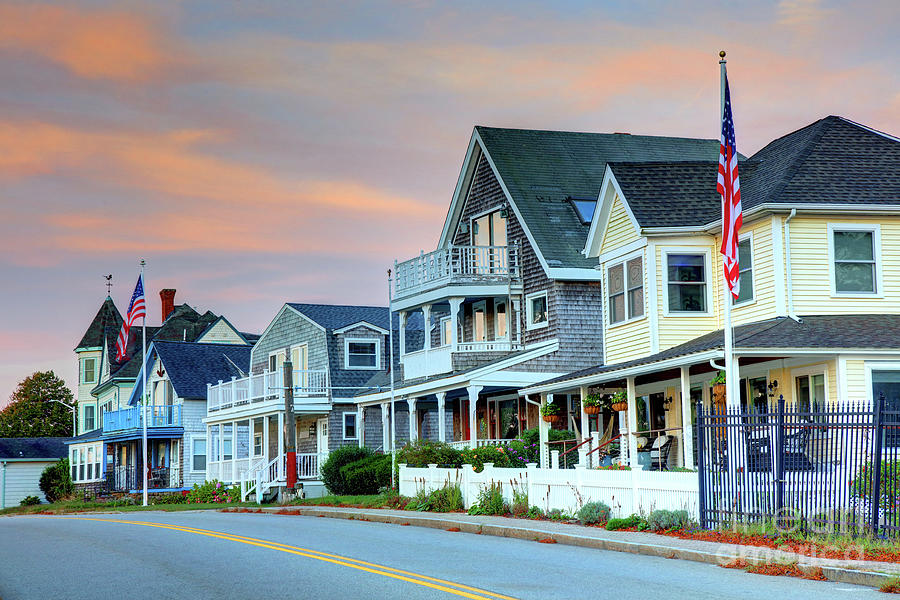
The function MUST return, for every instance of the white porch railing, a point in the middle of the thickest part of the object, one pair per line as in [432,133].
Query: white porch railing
[308,465]
[493,346]
[469,264]
[423,363]
[267,385]
[626,492]
[478,443]
[263,476]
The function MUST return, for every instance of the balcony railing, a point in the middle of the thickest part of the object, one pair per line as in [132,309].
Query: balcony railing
[130,418]
[268,385]
[456,264]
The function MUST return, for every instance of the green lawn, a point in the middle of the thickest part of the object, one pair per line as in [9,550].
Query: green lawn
[72,506]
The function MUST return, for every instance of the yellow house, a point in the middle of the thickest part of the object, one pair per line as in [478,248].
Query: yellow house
[818,317]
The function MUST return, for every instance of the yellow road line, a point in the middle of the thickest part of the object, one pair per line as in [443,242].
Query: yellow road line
[410,577]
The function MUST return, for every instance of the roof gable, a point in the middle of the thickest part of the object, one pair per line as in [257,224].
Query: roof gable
[104,326]
[190,366]
[336,316]
[221,331]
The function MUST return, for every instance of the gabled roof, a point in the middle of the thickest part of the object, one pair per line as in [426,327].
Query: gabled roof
[41,447]
[228,324]
[542,169]
[190,366]
[336,316]
[104,326]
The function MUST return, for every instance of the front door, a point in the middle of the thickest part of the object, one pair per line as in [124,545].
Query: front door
[322,436]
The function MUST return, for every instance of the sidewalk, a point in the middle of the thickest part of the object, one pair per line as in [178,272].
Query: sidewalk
[868,573]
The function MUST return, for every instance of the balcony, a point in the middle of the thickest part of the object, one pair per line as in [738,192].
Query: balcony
[130,418]
[476,270]
[240,394]
[443,359]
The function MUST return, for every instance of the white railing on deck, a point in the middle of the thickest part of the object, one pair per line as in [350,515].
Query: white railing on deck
[493,346]
[486,264]
[267,385]
[308,465]
[481,442]
[626,492]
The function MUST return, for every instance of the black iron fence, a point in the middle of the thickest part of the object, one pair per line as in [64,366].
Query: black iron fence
[817,468]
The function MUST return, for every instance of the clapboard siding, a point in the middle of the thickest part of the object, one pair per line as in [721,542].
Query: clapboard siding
[22,480]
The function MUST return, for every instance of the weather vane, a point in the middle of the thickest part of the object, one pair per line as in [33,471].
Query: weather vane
[109,283]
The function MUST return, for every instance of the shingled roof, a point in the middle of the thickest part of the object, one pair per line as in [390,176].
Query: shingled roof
[831,161]
[36,448]
[828,333]
[191,366]
[104,326]
[335,316]
[542,169]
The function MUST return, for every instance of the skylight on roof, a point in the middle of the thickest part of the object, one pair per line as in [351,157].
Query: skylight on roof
[584,207]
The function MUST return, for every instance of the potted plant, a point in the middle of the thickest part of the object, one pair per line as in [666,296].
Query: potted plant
[551,412]
[619,401]
[594,403]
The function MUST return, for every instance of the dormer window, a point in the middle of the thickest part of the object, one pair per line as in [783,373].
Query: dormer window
[362,354]
[89,370]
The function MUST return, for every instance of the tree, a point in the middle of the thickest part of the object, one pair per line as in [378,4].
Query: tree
[55,482]
[32,412]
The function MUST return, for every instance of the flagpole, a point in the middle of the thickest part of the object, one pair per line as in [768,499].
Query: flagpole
[144,381]
[391,367]
[730,379]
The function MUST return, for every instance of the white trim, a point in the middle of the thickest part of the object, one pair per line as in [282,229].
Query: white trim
[841,372]
[348,341]
[441,322]
[623,250]
[205,439]
[497,303]
[529,326]
[778,270]
[861,126]
[707,278]
[875,229]
[868,367]
[752,299]
[362,324]
[573,274]
[601,216]
[344,424]
[467,172]
[652,296]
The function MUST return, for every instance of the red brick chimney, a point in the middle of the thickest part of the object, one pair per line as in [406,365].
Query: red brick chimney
[168,303]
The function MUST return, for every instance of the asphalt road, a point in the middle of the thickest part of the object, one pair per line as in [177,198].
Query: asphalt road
[199,555]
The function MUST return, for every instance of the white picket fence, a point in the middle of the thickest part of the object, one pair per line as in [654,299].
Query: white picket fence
[626,492]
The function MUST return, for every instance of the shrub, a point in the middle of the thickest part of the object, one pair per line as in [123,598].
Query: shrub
[662,520]
[368,475]
[863,487]
[500,456]
[559,515]
[56,482]
[179,498]
[593,512]
[212,492]
[445,499]
[625,523]
[535,513]
[422,453]
[520,500]
[490,501]
[331,469]
[29,501]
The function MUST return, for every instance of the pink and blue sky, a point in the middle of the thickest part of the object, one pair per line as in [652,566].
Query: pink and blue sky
[261,152]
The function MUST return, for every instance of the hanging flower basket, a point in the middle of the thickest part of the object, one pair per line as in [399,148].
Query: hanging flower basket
[553,418]
[620,406]
[592,410]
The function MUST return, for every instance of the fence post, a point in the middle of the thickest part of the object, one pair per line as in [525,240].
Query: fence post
[466,484]
[875,500]
[779,455]
[531,472]
[554,459]
[701,467]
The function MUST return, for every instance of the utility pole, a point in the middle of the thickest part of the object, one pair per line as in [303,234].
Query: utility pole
[290,429]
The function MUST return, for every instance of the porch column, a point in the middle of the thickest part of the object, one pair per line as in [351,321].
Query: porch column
[234,447]
[473,391]
[281,437]
[455,303]
[442,426]
[361,425]
[585,429]
[687,439]
[632,425]
[265,437]
[426,315]
[413,420]
[402,332]
[517,311]
[385,429]
[544,435]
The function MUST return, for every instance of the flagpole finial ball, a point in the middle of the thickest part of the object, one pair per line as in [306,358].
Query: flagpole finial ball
[721,54]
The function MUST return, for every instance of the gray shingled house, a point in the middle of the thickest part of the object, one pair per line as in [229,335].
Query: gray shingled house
[508,298]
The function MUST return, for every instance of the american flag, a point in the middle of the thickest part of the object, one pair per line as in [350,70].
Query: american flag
[728,185]
[136,310]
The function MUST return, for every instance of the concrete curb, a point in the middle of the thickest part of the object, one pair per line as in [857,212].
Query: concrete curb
[834,573]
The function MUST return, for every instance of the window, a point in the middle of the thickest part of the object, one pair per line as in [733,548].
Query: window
[257,444]
[745,266]
[810,391]
[500,326]
[89,370]
[198,454]
[89,417]
[584,208]
[73,463]
[446,331]
[362,354]
[81,463]
[854,250]
[489,229]
[226,442]
[350,426]
[625,285]
[686,285]
[479,331]
[536,309]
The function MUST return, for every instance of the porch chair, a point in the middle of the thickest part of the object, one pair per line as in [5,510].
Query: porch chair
[659,453]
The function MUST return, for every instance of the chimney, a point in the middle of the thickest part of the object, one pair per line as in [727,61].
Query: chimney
[168,302]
